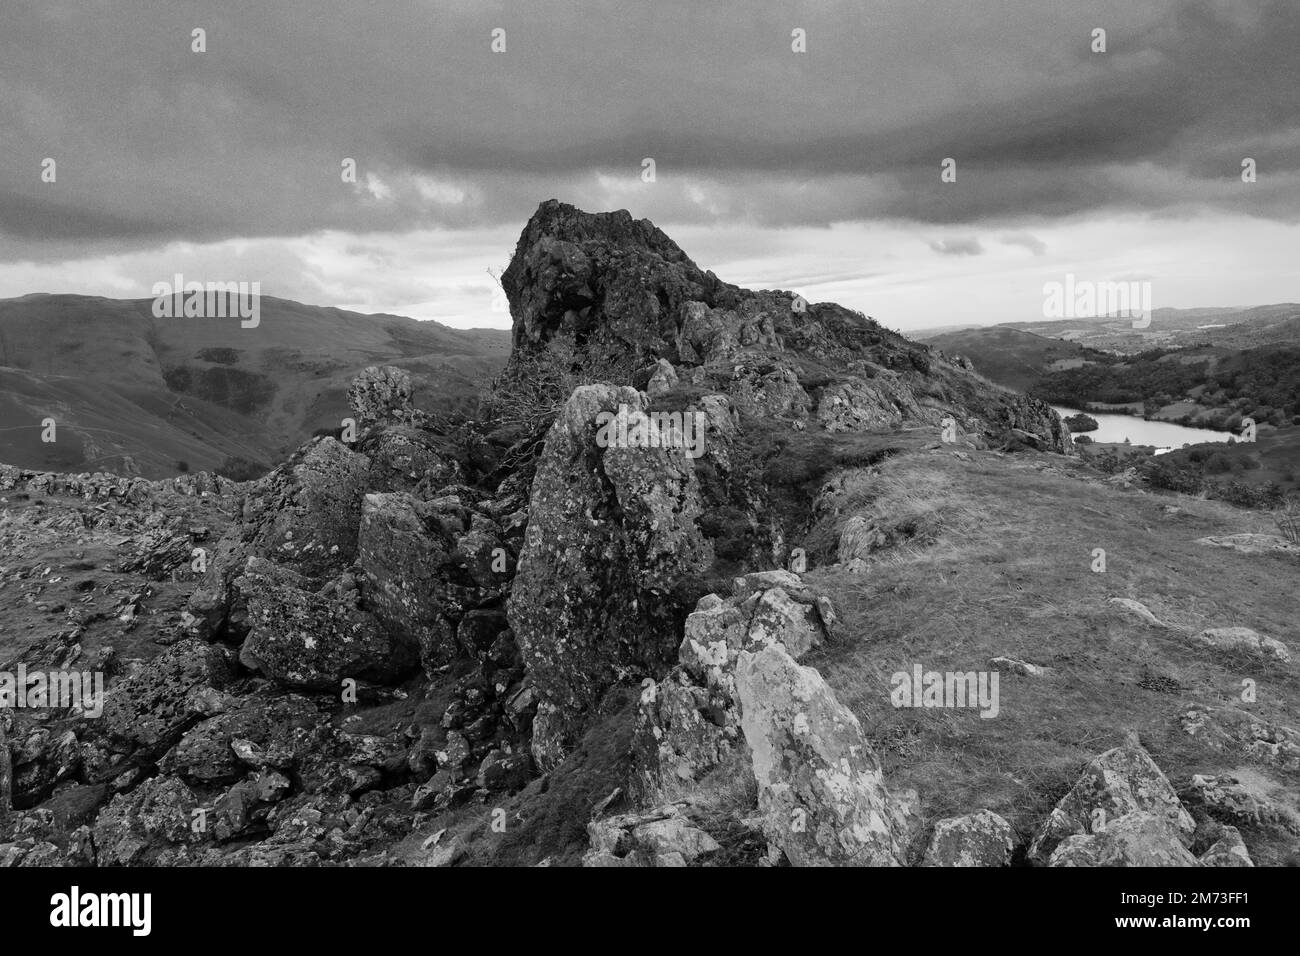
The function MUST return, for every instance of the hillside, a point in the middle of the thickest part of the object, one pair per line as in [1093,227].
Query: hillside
[135,394]
[1178,328]
[656,604]
[1012,358]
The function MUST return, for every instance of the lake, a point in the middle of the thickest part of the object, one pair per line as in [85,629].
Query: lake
[1166,436]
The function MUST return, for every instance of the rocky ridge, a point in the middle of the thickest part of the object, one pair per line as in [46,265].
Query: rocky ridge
[390,644]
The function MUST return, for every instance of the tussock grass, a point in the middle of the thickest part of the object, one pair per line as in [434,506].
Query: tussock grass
[1010,574]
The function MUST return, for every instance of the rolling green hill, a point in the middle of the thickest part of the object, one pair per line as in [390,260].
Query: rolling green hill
[136,394]
[1011,357]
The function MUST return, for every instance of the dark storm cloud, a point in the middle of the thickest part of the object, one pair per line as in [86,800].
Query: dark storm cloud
[156,142]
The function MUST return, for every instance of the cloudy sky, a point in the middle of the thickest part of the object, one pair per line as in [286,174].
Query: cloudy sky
[817,172]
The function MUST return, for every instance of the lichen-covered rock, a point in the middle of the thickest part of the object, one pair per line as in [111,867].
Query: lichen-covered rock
[315,639]
[1121,781]
[1137,611]
[405,458]
[1137,838]
[1238,733]
[856,405]
[687,736]
[381,393]
[404,548]
[206,754]
[304,515]
[1246,798]
[135,828]
[1228,850]
[1244,640]
[821,792]
[154,705]
[664,836]
[1253,544]
[604,521]
[977,839]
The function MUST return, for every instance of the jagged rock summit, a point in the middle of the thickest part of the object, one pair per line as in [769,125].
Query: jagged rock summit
[625,296]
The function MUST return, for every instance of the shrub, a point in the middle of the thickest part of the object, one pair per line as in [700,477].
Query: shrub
[531,389]
[241,469]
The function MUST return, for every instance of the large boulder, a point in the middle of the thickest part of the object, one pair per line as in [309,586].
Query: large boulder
[1121,781]
[303,515]
[1137,838]
[315,639]
[612,552]
[821,792]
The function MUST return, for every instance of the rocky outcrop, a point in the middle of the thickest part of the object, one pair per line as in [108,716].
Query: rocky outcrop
[1228,850]
[604,521]
[612,285]
[1255,802]
[380,394]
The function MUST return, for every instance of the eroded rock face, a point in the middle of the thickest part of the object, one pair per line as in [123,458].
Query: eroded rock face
[858,405]
[1120,782]
[821,792]
[604,522]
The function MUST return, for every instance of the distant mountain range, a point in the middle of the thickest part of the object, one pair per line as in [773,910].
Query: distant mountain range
[132,393]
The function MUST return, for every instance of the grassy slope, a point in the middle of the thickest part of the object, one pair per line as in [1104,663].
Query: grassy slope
[1009,575]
